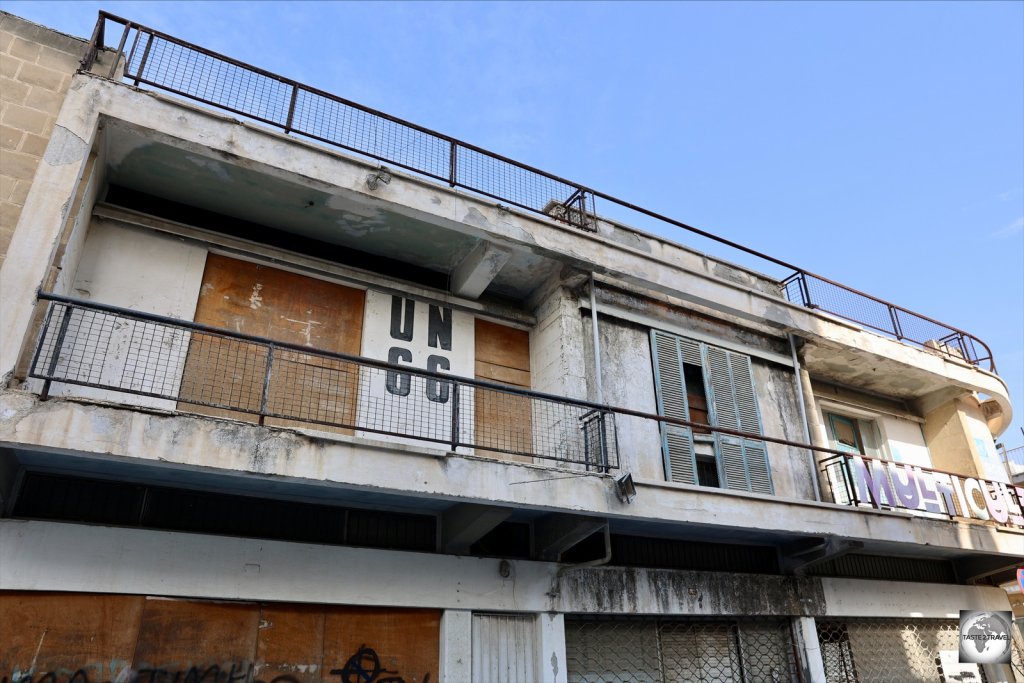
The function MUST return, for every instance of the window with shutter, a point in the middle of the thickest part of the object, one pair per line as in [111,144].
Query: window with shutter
[725,394]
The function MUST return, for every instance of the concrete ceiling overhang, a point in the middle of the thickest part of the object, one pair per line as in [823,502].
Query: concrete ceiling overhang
[909,375]
[171,168]
[286,488]
[161,166]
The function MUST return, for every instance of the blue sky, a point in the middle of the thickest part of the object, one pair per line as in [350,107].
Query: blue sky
[879,144]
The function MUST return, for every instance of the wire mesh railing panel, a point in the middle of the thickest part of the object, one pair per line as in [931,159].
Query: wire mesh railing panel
[889,650]
[206,371]
[353,128]
[653,650]
[793,289]
[848,304]
[222,372]
[193,73]
[510,182]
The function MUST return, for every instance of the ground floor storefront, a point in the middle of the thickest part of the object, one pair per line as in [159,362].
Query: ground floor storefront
[90,604]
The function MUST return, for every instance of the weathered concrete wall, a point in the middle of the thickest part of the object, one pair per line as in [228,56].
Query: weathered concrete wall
[557,361]
[91,434]
[722,326]
[200,566]
[627,377]
[860,598]
[36,65]
[792,475]
[947,436]
[144,271]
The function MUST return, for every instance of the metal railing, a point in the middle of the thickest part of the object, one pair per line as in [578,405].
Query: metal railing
[1013,458]
[155,59]
[858,480]
[183,366]
[188,367]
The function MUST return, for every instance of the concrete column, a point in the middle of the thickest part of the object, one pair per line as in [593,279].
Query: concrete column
[456,646]
[557,348]
[551,628]
[809,649]
[819,435]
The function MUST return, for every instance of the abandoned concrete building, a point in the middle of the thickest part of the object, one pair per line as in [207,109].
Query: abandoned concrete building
[295,391]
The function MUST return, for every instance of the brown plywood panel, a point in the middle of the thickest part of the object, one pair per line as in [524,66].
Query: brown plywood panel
[176,635]
[503,420]
[290,644]
[255,299]
[500,373]
[397,644]
[45,632]
[502,345]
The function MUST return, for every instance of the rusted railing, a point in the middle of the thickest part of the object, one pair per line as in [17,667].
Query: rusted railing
[156,59]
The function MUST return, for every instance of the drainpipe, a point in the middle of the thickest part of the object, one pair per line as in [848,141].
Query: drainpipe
[597,341]
[800,400]
[599,562]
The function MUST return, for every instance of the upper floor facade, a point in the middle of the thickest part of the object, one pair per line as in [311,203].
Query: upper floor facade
[249,309]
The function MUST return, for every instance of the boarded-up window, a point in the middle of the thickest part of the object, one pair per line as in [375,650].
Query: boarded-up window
[504,422]
[54,635]
[267,302]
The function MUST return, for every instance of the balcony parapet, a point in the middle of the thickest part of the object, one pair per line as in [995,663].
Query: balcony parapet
[154,59]
[192,368]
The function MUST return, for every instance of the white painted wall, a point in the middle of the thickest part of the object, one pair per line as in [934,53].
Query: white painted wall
[175,564]
[861,598]
[145,271]
[415,412]
[627,375]
[904,441]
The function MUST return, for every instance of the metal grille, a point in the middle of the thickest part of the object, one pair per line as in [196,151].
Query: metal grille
[669,651]
[890,650]
[156,59]
[194,368]
[817,292]
[1017,651]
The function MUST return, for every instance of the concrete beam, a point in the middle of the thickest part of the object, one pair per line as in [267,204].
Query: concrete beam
[478,269]
[797,558]
[976,567]
[556,533]
[464,524]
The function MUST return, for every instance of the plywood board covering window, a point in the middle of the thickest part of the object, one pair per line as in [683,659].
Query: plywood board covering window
[503,421]
[105,636]
[268,302]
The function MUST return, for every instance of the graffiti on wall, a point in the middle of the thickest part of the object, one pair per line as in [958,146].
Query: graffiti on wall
[364,666]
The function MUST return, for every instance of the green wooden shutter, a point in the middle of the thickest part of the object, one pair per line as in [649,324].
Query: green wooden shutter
[670,352]
[729,379]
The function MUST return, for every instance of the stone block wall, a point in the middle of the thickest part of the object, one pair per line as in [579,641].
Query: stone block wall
[36,67]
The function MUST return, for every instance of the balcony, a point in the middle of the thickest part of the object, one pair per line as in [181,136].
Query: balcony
[150,361]
[190,368]
[149,58]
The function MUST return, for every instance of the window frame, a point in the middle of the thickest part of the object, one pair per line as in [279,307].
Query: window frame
[729,387]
